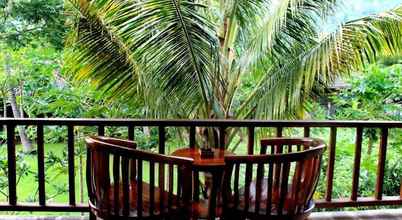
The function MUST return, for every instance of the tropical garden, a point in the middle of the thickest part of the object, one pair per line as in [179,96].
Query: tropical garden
[196,59]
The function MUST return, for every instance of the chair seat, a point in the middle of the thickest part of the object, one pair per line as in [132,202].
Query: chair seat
[289,202]
[199,209]
[117,206]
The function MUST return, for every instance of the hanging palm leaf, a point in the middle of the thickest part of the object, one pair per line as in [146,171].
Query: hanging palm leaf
[221,59]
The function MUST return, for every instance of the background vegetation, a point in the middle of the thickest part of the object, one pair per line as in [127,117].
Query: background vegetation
[38,69]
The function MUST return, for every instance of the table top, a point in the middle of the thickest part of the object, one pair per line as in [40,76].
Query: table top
[195,154]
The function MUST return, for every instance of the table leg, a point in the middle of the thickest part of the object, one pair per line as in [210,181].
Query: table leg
[212,201]
[196,186]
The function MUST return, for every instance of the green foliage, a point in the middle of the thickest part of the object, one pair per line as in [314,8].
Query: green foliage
[374,94]
[24,21]
[22,169]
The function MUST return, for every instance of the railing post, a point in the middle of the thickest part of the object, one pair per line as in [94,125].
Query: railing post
[12,183]
[131,130]
[279,131]
[250,142]
[222,137]
[400,190]
[356,166]
[331,163]
[41,165]
[381,163]
[71,167]
[192,137]
[101,130]
[162,140]
[306,131]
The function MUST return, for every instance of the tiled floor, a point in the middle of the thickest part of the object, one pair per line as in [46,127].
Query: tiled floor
[389,214]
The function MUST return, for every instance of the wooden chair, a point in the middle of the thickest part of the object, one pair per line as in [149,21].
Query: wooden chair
[122,184]
[284,183]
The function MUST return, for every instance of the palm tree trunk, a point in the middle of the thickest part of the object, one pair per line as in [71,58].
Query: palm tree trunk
[14,106]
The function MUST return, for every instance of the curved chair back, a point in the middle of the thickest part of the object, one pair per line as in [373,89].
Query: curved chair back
[133,184]
[279,185]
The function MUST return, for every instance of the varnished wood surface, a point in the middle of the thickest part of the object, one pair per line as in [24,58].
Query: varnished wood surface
[195,154]
[120,195]
[270,188]
[215,165]
[199,122]
[163,125]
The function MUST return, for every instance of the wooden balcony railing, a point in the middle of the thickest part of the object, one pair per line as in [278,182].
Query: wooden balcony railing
[327,202]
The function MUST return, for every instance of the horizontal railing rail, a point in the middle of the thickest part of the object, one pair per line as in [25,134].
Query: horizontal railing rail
[199,122]
[327,202]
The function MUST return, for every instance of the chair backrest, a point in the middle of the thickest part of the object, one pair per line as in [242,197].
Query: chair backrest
[284,181]
[116,141]
[131,183]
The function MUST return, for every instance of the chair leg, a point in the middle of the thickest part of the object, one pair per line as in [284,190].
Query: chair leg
[92,216]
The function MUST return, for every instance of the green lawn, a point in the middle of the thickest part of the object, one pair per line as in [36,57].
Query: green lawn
[56,178]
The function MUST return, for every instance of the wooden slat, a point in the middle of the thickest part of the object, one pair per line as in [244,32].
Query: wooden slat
[12,191]
[151,187]
[283,186]
[71,166]
[226,185]
[222,137]
[192,137]
[126,186]
[116,182]
[331,164]
[170,194]
[381,163]
[258,191]
[236,184]
[297,183]
[356,166]
[249,170]
[250,142]
[278,149]
[131,134]
[41,165]
[139,189]
[161,180]
[306,131]
[269,188]
[162,140]
[101,130]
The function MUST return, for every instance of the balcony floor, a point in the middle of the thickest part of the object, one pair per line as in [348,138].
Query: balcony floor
[388,214]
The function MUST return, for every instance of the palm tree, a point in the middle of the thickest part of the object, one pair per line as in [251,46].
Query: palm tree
[241,59]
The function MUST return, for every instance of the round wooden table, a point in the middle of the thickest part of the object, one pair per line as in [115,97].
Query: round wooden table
[214,165]
[204,164]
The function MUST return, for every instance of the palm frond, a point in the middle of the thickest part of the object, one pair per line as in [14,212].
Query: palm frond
[170,47]
[284,89]
[97,52]
[284,30]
